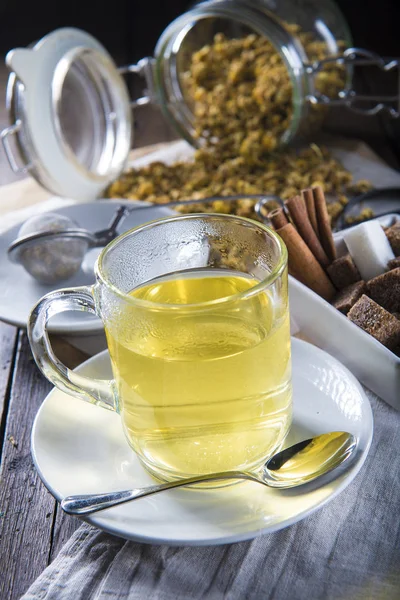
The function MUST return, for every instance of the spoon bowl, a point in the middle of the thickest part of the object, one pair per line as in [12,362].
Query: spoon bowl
[297,465]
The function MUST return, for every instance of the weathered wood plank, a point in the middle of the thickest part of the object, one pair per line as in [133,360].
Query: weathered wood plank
[150,124]
[26,508]
[63,527]
[8,340]
[152,128]
[68,354]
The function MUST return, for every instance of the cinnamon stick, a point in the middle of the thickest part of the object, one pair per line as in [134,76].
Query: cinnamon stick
[303,265]
[278,218]
[299,216]
[308,198]
[324,223]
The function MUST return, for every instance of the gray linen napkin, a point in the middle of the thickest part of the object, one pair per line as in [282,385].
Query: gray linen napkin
[348,550]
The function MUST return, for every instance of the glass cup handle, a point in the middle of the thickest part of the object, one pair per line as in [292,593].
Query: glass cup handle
[95,391]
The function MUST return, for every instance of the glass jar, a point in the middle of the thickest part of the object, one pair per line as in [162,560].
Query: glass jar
[71,113]
[320,26]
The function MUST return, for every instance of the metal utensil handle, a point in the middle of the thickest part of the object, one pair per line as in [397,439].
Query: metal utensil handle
[104,236]
[358,57]
[259,198]
[90,503]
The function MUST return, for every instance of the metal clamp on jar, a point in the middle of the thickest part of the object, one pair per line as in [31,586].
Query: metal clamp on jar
[71,113]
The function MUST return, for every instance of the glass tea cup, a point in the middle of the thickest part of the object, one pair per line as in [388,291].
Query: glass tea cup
[195,310]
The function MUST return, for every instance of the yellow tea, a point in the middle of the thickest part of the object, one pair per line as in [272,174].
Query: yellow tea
[203,391]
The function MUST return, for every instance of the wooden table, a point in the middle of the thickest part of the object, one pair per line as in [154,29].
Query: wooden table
[32,526]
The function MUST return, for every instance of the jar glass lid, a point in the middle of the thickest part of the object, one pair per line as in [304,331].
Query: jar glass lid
[72,114]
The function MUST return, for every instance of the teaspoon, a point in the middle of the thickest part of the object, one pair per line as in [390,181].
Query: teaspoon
[294,466]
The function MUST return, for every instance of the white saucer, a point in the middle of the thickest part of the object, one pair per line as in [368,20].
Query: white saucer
[19,292]
[79,448]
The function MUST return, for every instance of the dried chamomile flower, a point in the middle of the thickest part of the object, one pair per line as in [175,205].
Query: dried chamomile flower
[359,187]
[240,93]
[365,213]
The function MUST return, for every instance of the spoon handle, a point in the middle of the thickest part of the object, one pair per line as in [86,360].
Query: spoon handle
[91,503]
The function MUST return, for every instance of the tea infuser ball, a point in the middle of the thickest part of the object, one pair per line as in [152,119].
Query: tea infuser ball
[50,247]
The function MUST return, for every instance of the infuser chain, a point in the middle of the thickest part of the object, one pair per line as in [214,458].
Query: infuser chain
[360,58]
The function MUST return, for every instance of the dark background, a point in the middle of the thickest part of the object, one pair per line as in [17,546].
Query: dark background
[130,28]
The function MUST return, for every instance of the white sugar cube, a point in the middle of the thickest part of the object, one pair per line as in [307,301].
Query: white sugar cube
[369,248]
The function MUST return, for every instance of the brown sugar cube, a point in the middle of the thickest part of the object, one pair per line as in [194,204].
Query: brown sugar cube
[394,263]
[393,235]
[376,321]
[343,272]
[347,297]
[385,290]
